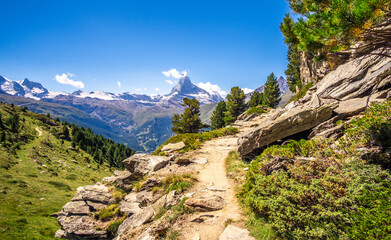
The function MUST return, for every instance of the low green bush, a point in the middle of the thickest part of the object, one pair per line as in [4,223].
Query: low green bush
[323,189]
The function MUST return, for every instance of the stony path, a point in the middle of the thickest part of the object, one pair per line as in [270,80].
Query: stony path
[212,180]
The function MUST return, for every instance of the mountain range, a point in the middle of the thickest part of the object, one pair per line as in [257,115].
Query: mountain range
[141,121]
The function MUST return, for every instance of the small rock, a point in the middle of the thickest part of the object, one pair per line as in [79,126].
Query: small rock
[147,235]
[235,233]
[201,218]
[245,169]
[206,204]
[216,189]
[200,161]
[42,199]
[60,234]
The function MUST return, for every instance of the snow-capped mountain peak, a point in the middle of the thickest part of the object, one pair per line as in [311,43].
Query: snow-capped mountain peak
[185,88]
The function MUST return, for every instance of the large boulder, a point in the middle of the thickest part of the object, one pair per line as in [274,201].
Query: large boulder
[141,164]
[76,217]
[296,120]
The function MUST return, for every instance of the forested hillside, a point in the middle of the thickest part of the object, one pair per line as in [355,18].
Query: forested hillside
[42,162]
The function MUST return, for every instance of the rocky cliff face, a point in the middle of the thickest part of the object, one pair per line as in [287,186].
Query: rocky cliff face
[341,93]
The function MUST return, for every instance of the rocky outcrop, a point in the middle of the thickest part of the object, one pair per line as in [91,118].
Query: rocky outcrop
[355,79]
[141,164]
[297,120]
[76,217]
[343,92]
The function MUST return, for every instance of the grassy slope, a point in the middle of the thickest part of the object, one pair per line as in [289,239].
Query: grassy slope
[42,179]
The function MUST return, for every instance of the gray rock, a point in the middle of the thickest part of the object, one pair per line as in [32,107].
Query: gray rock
[167,200]
[144,198]
[147,235]
[297,120]
[129,204]
[60,234]
[351,107]
[172,147]
[80,227]
[95,193]
[206,204]
[200,161]
[121,179]
[136,220]
[234,233]
[141,164]
[76,208]
[356,78]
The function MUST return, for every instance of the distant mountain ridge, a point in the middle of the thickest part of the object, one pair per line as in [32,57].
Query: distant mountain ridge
[185,88]
[141,121]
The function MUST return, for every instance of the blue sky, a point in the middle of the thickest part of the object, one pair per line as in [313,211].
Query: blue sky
[100,43]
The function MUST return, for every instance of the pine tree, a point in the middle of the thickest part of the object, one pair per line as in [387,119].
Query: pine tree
[13,122]
[272,92]
[217,119]
[256,99]
[65,131]
[189,121]
[236,105]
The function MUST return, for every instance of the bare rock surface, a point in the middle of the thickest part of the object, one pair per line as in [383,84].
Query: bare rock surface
[95,193]
[297,120]
[206,204]
[76,217]
[234,233]
[80,227]
[140,164]
[136,220]
[121,179]
[356,78]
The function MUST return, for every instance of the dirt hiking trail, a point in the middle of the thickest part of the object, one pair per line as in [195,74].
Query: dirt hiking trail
[213,180]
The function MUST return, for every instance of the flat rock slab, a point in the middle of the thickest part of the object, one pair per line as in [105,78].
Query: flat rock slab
[206,204]
[235,233]
[294,121]
[351,107]
[172,147]
[95,193]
